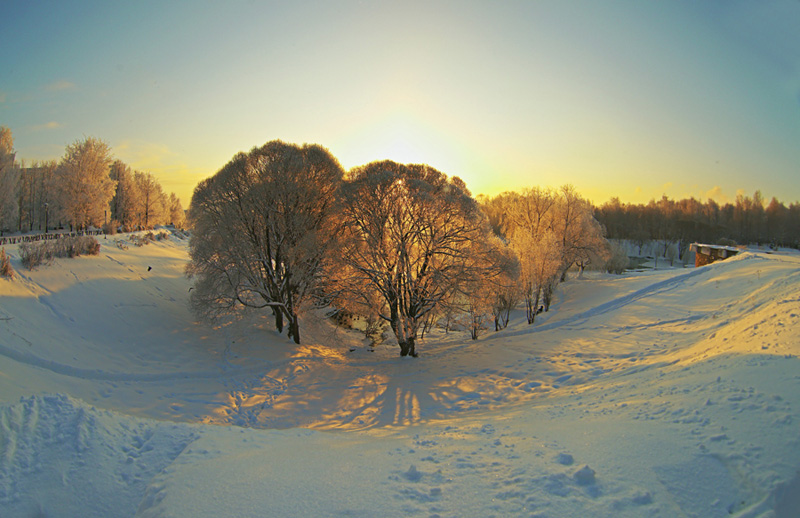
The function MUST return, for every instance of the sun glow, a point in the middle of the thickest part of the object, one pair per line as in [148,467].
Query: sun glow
[402,138]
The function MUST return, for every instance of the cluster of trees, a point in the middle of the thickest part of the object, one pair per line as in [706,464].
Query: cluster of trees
[403,246]
[87,187]
[747,220]
[550,231]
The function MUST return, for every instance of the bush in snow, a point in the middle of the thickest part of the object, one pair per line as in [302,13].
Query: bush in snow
[618,261]
[5,265]
[34,254]
[147,238]
[90,246]
[111,227]
[43,252]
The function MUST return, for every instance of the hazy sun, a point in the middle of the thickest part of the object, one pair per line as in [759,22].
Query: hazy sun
[399,138]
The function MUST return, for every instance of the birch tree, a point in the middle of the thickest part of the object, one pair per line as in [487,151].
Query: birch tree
[263,229]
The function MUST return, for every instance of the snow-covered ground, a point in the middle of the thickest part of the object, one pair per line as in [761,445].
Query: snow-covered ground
[665,393]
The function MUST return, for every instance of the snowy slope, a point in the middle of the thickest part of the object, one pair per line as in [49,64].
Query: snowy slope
[666,393]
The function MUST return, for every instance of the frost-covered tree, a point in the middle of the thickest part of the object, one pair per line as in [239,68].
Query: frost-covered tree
[533,211]
[540,262]
[412,236]
[125,203]
[150,206]
[176,213]
[263,229]
[550,231]
[9,178]
[505,289]
[493,292]
[580,235]
[84,185]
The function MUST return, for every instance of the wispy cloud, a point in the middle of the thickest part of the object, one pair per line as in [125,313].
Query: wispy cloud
[60,85]
[47,126]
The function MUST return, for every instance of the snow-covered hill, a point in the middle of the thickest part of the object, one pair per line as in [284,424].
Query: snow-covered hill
[666,393]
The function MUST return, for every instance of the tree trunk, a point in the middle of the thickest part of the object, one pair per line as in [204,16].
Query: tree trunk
[294,329]
[407,348]
[548,296]
[278,318]
[530,311]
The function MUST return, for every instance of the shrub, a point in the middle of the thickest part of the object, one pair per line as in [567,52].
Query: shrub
[147,238]
[618,260]
[5,265]
[91,246]
[43,252]
[111,227]
[34,254]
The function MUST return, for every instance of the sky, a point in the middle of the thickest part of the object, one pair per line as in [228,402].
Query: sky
[625,99]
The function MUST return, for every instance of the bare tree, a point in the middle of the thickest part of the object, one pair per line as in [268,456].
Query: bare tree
[84,183]
[412,236]
[263,228]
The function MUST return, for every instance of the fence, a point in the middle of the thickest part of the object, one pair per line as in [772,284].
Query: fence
[30,238]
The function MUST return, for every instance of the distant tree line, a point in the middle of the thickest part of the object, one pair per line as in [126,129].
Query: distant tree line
[746,220]
[86,188]
[400,246]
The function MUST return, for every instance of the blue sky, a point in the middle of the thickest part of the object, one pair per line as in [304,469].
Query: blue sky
[625,98]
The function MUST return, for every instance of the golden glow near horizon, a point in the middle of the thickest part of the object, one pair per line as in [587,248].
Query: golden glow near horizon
[633,100]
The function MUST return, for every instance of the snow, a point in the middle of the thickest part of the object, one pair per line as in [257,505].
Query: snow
[660,393]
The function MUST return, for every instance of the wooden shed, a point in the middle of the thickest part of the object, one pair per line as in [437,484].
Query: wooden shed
[706,254]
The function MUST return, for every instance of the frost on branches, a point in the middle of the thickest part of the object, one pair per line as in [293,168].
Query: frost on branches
[262,229]
[413,239]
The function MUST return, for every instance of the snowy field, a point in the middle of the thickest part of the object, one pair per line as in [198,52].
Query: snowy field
[661,394]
